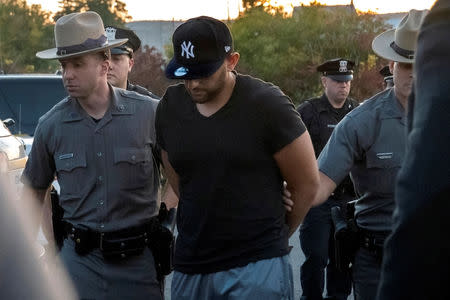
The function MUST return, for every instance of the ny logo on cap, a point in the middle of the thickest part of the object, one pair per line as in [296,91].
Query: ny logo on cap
[187,49]
[342,66]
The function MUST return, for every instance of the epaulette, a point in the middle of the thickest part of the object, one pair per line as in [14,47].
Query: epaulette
[133,95]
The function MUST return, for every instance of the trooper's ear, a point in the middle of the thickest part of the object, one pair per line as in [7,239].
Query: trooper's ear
[391,67]
[232,61]
[130,64]
[105,66]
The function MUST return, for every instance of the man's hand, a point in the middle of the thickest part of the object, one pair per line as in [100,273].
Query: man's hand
[287,201]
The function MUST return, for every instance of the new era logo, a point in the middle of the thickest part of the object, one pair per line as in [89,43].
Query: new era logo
[227,49]
[187,50]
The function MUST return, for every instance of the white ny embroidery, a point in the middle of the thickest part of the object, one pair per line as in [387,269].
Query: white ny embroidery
[187,49]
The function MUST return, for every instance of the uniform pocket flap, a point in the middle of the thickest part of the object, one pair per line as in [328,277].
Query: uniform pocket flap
[383,160]
[131,155]
[69,161]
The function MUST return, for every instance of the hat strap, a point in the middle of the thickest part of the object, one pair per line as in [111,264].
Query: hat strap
[86,45]
[403,52]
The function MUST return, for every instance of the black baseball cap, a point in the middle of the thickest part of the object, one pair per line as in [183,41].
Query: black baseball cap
[133,44]
[200,46]
[339,69]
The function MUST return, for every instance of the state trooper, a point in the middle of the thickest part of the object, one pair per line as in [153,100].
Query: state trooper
[370,144]
[99,143]
[122,60]
[121,64]
[321,115]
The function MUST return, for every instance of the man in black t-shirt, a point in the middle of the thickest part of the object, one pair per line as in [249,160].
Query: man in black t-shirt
[321,115]
[228,141]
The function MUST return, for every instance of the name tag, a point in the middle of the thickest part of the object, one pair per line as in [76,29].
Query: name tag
[65,156]
[331,125]
[385,155]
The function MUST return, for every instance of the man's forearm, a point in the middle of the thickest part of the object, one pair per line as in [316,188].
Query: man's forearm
[33,200]
[302,198]
[326,187]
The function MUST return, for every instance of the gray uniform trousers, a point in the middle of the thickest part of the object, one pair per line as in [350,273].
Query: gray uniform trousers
[94,278]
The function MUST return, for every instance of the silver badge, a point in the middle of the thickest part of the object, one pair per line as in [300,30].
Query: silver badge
[342,66]
[110,33]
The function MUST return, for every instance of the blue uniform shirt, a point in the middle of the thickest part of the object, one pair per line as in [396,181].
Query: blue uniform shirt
[370,144]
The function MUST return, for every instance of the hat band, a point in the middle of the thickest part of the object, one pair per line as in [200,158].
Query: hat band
[403,52]
[86,45]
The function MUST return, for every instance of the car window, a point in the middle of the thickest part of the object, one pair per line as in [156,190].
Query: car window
[26,98]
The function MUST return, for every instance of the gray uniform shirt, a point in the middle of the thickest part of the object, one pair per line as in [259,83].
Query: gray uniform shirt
[370,144]
[106,169]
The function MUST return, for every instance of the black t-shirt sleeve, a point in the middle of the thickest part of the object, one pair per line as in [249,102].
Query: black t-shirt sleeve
[283,123]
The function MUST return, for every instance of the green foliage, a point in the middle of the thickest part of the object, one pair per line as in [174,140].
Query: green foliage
[24,30]
[113,12]
[286,50]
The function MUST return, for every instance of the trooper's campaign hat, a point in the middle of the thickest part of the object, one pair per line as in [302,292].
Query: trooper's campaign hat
[200,46]
[131,46]
[339,69]
[399,44]
[78,34]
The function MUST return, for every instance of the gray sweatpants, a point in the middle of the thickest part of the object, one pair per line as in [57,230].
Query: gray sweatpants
[265,279]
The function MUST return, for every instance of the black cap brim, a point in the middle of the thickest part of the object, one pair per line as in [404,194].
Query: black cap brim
[174,70]
[341,78]
[115,51]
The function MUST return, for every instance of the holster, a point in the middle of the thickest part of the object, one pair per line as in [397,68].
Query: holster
[162,242]
[346,237]
[57,216]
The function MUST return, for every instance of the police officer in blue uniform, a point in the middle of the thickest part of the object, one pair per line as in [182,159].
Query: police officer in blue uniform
[321,115]
[122,60]
[369,143]
[99,142]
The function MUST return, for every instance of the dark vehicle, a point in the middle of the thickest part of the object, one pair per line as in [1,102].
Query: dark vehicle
[25,98]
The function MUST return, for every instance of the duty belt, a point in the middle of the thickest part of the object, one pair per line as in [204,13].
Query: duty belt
[113,245]
[373,241]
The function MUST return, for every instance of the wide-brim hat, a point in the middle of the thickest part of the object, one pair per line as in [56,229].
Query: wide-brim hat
[78,34]
[399,44]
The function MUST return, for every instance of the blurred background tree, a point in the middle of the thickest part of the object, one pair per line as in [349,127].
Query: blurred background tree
[113,12]
[286,50]
[24,30]
[148,70]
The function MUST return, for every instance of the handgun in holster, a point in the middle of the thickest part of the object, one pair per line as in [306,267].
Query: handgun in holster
[346,236]
[162,241]
[57,219]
